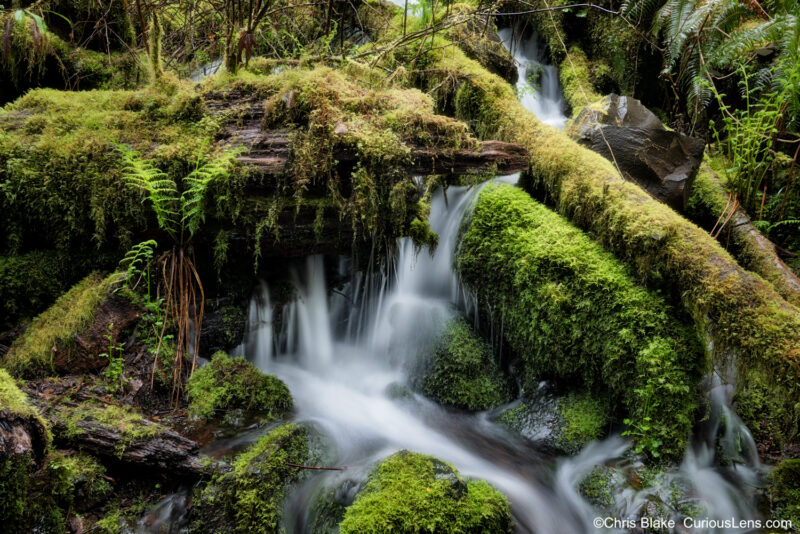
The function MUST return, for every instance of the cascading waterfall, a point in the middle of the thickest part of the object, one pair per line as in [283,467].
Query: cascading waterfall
[538,86]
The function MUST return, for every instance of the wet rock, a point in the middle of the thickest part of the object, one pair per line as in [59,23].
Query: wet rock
[623,130]
[479,40]
[223,329]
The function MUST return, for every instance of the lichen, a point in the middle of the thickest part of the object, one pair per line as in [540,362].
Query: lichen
[411,492]
[459,370]
[234,383]
[249,497]
[31,355]
[573,312]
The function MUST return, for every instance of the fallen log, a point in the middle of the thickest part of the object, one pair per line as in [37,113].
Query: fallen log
[118,433]
[22,430]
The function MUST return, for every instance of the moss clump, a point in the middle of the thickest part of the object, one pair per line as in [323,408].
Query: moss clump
[572,312]
[410,492]
[565,424]
[249,497]
[234,383]
[786,490]
[77,481]
[31,355]
[459,370]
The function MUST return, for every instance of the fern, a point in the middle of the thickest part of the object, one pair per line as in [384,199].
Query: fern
[137,261]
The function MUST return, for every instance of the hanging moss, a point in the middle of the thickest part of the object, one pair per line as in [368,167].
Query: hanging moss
[572,312]
[249,497]
[459,370]
[31,355]
[234,383]
[410,492]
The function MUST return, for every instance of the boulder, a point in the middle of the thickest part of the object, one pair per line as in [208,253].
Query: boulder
[624,131]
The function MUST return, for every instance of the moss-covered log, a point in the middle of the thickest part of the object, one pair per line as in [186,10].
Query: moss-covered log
[571,311]
[411,492]
[710,205]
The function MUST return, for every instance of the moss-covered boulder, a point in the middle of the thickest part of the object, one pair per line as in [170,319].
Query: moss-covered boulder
[573,312]
[234,383]
[411,493]
[249,497]
[785,493]
[71,334]
[459,370]
[565,424]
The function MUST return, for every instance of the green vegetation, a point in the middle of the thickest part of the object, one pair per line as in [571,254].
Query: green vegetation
[572,312]
[785,492]
[234,383]
[459,370]
[31,355]
[576,78]
[249,497]
[410,492]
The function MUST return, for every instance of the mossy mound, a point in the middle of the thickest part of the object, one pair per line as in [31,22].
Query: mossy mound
[411,493]
[576,73]
[32,354]
[565,424]
[234,383]
[459,370]
[249,497]
[574,313]
[785,496]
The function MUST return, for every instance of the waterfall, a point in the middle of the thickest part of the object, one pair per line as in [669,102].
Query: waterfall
[538,86]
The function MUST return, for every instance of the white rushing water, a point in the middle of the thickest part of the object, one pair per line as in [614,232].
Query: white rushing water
[538,86]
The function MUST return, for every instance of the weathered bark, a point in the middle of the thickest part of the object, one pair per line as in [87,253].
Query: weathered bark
[20,435]
[138,442]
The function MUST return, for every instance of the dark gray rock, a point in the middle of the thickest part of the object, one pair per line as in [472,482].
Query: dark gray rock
[663,162]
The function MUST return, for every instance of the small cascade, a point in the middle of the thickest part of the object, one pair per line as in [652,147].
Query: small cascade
[258,338]
[538,85]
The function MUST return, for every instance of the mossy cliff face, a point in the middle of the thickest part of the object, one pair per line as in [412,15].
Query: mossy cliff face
[249,497]
[740,314]
[410,492]
[572,312]
[459,370]
[234,383]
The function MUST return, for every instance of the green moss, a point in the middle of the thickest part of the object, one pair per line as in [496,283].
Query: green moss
[785,493]
[249,497]
[599,487]
[12,399]
[411,492]
[234,383]
[77,480]
[459,370]
[585,419]
[576,79]
[572,312]
[55,329]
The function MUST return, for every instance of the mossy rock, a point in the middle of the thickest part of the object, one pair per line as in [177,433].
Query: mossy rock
[459,370]
[415,493]
[234,383]
[571,311]
[785,492]
[55,330]
[249,497]
[564,424]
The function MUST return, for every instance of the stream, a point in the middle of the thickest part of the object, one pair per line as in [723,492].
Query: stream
[344,354]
